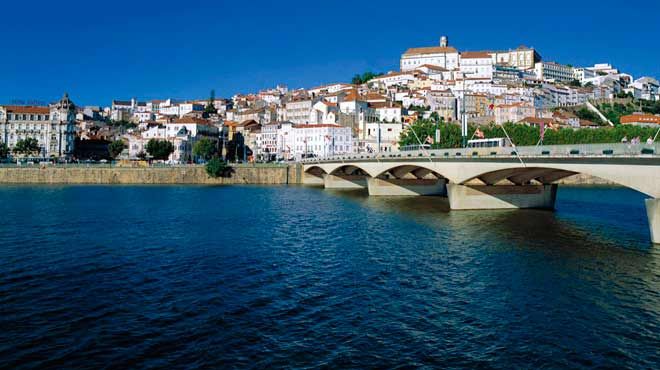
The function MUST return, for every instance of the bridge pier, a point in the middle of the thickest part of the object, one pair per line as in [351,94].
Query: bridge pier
[312,179]
[345,182]
[653,214]
[406,187]
[466,197]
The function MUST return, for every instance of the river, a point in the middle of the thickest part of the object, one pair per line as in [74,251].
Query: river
[272,277]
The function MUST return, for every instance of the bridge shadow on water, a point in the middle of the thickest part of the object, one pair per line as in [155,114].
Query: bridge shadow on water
[576,225]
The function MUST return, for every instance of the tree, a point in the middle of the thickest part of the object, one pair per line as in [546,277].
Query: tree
[27,146]
[123,124]
[115,148]
[584,113]
[159,149]
[418,132]
[4,151]
[364,78]
[205,148]
[575,83]
[216,167]
[142,155]
[210,105]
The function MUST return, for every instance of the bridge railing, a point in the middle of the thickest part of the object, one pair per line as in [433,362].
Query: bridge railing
[557,151]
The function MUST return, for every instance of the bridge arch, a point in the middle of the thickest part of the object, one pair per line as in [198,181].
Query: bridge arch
[519,175]
[410,171]
[316,171]
[349,170]
[522,175]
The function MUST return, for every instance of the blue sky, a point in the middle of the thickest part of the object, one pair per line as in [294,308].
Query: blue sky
[98,51]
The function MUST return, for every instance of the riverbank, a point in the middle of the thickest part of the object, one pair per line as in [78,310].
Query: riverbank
[262,174]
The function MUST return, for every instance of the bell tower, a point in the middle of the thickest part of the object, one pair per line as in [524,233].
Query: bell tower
[63,117]
[444,42]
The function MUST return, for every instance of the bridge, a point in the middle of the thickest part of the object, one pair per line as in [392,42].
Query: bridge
[493,178]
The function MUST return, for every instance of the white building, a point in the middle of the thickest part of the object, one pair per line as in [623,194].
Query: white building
[183,134]
[582,74]
[320,140]
[387,112]
[323,112]
[394,78]
[298,111]
[53,127]
[329,89]
[476,64]
[551,71]
[603,69]
[442,56]
[390,133]
[140,117]
[522,57]
[645,88]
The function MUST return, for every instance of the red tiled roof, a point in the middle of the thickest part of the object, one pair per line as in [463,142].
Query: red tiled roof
[199,121]
[430,50]
[474,55]
[27,109]
[640,118]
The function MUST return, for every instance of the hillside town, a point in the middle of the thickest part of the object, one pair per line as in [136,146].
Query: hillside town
[367,114]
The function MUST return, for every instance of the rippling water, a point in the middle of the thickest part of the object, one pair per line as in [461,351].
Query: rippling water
[263,277]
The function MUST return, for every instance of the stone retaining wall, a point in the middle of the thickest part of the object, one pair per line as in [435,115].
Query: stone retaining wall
[152,175]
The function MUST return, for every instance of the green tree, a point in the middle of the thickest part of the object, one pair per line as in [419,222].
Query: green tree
[364,78]
[205,148]
[216,167]
[210,105]
[27,146]
[4,151]
[159,149]
[123,124]
[418,132]
[575,83]
[585,113]
[115,148]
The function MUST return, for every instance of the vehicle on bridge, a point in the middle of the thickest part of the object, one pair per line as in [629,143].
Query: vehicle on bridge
[498,142]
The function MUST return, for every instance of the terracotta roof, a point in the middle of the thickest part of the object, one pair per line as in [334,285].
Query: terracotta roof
[382,105]
[27,109]
[430,66]
[199,121]
[430,50]
[249,122]
[640,118]
[474,55]
[374,96]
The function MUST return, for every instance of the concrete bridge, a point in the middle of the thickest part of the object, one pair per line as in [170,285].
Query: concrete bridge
[494,178]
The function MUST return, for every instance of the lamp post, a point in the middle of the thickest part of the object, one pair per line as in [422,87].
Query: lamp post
[379,136]
[464,126]
[437,130]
